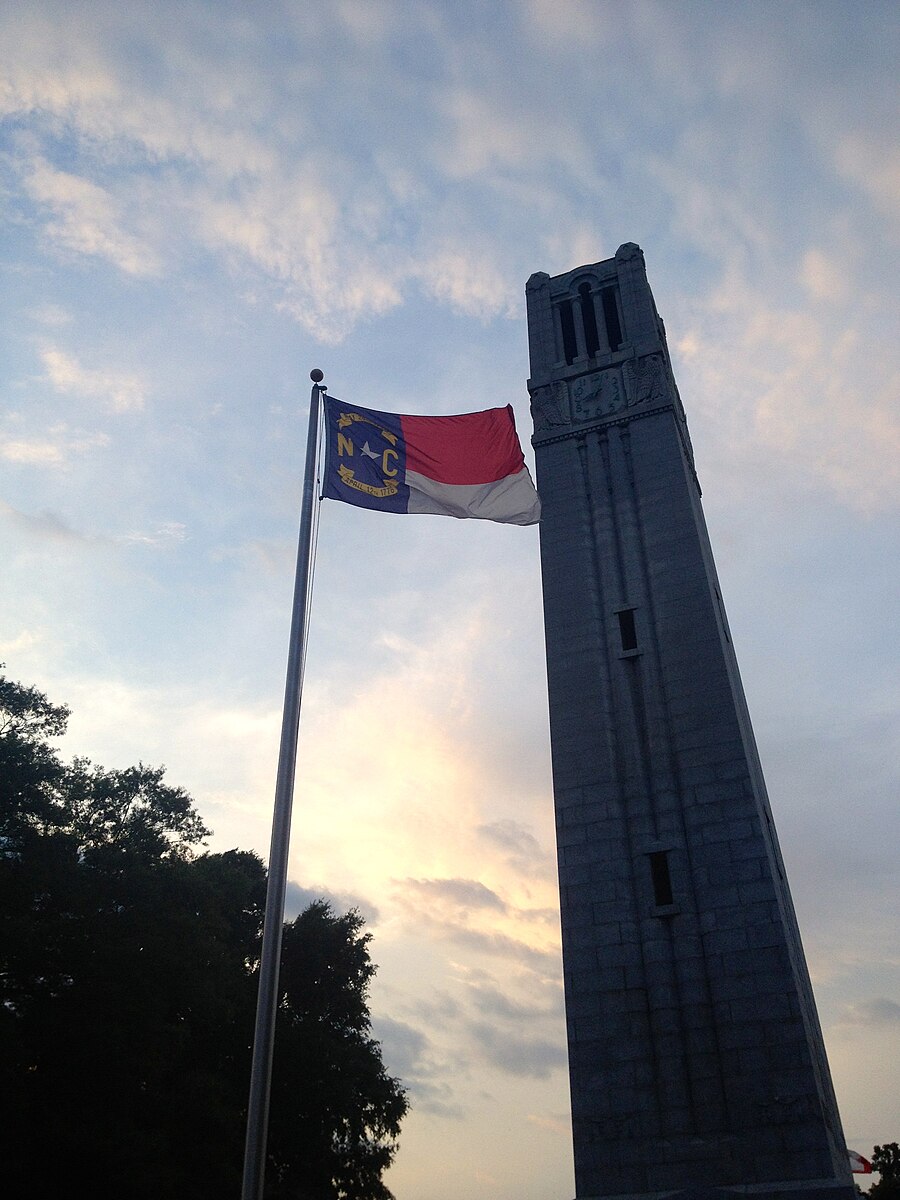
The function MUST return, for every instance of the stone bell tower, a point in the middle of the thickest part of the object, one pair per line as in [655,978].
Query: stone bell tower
[696,1058]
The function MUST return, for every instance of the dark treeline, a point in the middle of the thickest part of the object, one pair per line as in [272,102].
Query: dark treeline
[886,1161]
[128,985]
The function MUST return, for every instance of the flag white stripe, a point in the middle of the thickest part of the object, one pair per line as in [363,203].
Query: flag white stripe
[511,500]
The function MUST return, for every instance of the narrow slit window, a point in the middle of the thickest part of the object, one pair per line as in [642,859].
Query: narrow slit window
[567,323]
[589,317]
[662,880]
[611,317]
[627,630]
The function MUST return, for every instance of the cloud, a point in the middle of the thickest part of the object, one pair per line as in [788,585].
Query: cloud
[491,1001]
[53,450]
[120,392]
[412,1056]
[198,155]
[327,235]
[436,1009]
[320,208]
[413,785]
[45,524]
[404,1045]
[53,315]
[31,451]
[221,751]
[461,895]
[805,386]
[519,1025]
[411,780]
[48,525]
[483,135]
[823,275]
[472,916]
[25,641]
[873,165]
[168,534]
[298,898]
[469,282]
[545,963]
[259,556]
[522,849]
[294,229]
[564,24]
[560,1123]
[87,219]
[878,1012]
[516,1054]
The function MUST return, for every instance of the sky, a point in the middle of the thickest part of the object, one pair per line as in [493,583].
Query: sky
[200,203]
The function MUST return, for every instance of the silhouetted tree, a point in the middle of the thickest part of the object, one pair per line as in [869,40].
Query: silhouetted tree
[329,1085]
[886,1161]
[127,993]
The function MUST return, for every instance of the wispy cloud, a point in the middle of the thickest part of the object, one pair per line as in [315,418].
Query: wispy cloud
[458,895]
[878,1012]
[516,1053]
[494,945]
[823,275]
[121,392]
[522,849]
[560,1123]
[170,533]
[803,385]
[87,219]
[873,164]
[53,449]
[493,1002]
[469,281]
[51,315]
[45,525]
[299,897]
[421,1066]
[34,452]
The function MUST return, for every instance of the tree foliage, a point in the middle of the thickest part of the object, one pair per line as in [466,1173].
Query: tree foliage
[886,1161]
[128,966]
[329,1086]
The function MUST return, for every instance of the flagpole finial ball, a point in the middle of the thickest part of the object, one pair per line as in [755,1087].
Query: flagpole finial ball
[316,375]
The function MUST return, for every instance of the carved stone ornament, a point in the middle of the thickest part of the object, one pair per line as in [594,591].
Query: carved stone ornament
[550,406]
[597,396]
[645,380]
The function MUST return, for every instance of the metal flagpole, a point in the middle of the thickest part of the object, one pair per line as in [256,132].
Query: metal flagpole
[267,1000]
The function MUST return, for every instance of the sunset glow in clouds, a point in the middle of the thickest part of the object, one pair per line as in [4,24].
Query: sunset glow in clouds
[201,202]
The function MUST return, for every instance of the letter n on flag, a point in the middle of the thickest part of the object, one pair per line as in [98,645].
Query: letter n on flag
[469,465]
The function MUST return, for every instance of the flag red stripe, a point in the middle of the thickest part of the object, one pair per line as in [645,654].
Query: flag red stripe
[471,448]
[858,1164]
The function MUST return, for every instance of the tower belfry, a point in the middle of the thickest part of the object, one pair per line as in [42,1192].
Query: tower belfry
[695,1054]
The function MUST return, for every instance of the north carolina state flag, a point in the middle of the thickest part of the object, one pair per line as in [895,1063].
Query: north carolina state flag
[469,465]
[858,1164]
